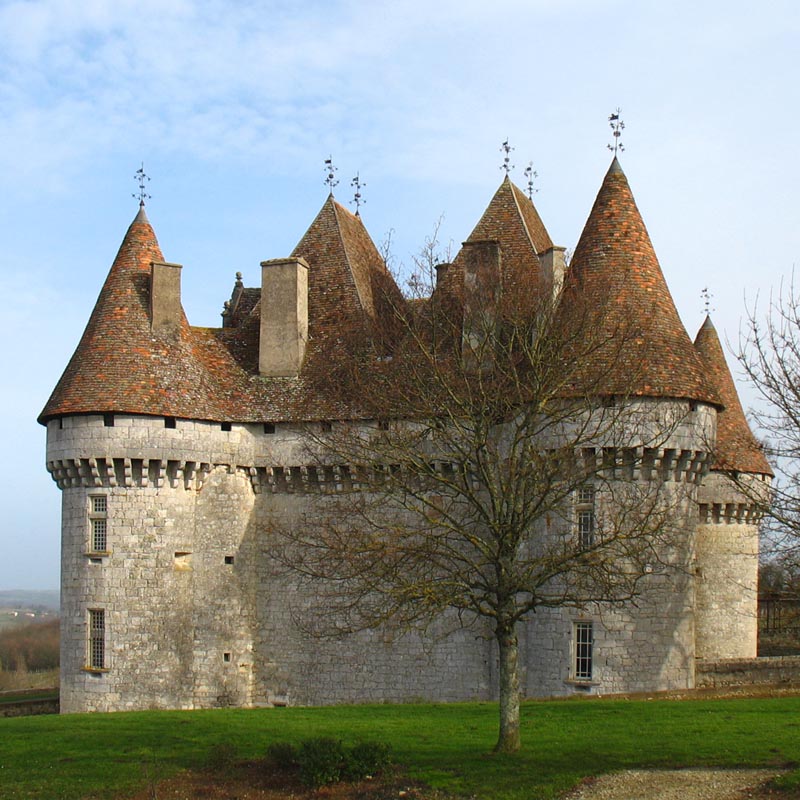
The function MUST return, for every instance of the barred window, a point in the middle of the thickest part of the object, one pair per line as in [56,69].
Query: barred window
[583,638]
[98,523]
[97,639]
[585,516]
[99,535]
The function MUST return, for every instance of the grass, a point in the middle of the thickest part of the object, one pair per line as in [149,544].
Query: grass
[447,746]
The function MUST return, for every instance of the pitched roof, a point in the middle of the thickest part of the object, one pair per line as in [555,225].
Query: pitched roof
[122,366]
[643,348]
[512,220]
[736,447]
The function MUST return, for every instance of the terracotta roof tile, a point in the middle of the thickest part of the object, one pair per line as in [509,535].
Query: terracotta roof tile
[736,447]
[616,276]
[512,220]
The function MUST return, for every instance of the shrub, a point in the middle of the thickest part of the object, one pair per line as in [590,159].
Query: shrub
[282,755]
[365,759]
[221,757]
[321,761]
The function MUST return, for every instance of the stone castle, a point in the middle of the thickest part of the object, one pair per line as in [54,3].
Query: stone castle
[173,445]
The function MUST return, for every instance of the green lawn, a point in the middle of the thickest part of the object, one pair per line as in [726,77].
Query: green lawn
[101,755]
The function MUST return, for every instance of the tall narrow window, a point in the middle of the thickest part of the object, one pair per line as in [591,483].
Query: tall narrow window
[98,524]
[97,638]
[584,509]
[583,636]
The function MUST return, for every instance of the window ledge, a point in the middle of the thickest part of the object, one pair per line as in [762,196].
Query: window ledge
[97,553]
[96,670]
[581,684]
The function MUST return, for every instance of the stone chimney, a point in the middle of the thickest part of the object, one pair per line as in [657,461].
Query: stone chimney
[284,317]
[165,298]
[482,286]
[553,267]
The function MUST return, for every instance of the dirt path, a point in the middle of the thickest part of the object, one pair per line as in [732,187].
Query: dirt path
[685,784]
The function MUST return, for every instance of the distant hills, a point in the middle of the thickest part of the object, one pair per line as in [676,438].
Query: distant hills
[30,598]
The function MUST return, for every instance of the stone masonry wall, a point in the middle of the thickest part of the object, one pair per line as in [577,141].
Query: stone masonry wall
[198,616]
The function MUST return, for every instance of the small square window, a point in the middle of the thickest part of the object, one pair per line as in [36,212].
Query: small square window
[169,422]
[269,427]
[325,427]
[108,420]
[383,424]
[99,504]
[229,559]
[226,657]
[225,426]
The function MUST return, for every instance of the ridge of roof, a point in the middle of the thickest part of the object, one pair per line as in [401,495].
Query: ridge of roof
[616,275]
[120,365]
[736,447]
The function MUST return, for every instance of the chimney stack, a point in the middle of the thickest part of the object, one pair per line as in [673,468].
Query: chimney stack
[482,286]
[166,312]
[284,317]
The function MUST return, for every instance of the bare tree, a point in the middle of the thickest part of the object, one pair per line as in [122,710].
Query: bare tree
[769,353]
[486,421]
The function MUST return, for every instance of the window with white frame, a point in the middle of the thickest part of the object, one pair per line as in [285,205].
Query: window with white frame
[96,655]
[583,650]
[98,523]
[585,516]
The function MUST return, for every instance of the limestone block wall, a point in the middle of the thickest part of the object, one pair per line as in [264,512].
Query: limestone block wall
[198,615]
[726,567]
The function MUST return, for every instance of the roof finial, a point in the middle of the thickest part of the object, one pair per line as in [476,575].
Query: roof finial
[506,165]
[357,199]
[617,125]
[330,173]
[531,174]
[140,176]
[706,295]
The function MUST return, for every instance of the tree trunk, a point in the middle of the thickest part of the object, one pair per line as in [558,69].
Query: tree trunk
[508,741]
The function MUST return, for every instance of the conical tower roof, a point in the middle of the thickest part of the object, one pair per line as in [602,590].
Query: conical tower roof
[615,280]
[120,365]
[736,447]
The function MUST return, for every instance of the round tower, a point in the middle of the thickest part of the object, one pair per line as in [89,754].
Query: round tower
[726,555]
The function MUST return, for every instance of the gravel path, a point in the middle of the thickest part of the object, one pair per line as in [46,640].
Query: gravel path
[684,784]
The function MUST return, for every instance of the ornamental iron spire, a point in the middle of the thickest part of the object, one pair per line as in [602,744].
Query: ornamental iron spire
[706,295]
[506,165]
[141,177]
[531,174]
[617,126]
[357,200]
[330,173]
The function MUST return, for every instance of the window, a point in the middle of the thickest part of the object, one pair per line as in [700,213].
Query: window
[97,639]
[584,510]
[225,426]
[108,420]
[169,422]
[583,639]
[269,427]
[98,524]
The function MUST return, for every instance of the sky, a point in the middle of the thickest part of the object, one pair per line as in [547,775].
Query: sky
[233,108]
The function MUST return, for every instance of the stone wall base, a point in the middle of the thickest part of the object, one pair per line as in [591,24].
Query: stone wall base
[764,671]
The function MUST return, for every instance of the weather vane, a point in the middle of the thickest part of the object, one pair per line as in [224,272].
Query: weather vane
[706,295]
[330,173]
[506,165]
[141,176]
[357,201]
[617,126]
[531,174]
